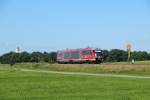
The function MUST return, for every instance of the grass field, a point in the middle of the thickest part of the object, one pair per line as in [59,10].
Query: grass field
[20,85]
[139,68]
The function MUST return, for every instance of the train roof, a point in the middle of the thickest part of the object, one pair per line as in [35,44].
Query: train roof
[70,50]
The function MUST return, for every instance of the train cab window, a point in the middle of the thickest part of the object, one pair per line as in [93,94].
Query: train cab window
[86,52]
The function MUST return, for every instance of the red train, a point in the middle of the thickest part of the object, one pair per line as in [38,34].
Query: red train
[82,55]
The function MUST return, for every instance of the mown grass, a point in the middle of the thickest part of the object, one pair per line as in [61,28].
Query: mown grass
[18,85]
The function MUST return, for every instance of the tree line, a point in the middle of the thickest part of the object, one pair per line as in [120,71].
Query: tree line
[117,55]
[114,55]
[12,57]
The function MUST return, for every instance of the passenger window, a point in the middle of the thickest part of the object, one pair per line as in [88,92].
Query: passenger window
[75,55]
[66,55]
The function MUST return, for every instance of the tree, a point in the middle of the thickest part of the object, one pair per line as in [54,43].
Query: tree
[53,56]
[149,56]
[14,58]
[6,58]
[105,54]
[36,57]
[140,55]
[25,57]
[47,57]
[117,55]
[10,58]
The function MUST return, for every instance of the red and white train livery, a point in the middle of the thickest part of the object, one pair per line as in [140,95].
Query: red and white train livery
[82,55]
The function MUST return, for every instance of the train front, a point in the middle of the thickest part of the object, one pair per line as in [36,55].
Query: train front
[98,55]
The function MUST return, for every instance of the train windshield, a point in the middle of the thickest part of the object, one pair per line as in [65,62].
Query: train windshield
[98,53]
[86,52]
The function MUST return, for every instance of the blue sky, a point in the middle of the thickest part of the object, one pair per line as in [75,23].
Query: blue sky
[50,25]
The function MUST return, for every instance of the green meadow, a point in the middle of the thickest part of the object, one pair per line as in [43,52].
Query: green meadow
[19,85]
